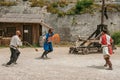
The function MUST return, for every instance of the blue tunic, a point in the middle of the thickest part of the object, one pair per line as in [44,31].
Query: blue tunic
[48,45]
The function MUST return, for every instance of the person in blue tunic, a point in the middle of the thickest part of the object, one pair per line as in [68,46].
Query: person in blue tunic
[47,43]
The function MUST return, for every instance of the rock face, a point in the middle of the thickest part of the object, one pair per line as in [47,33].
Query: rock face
[84,25]
[68,26]
[11,0]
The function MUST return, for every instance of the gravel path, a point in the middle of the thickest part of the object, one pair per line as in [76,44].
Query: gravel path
[61,66]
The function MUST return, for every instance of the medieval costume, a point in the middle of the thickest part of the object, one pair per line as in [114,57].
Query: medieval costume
[14,45]
[106,41]
[47,43]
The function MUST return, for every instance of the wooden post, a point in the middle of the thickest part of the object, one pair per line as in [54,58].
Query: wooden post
[102,13]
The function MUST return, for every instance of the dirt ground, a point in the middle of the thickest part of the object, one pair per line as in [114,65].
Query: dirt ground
[61,66]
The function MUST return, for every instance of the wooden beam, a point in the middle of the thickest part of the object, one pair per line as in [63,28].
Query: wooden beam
[102,13]
[46,25]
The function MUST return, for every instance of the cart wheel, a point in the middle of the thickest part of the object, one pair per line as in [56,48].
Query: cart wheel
[100,50]
[85,51]
[72,50]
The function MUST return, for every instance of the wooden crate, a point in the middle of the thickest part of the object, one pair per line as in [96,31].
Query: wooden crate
[5,41]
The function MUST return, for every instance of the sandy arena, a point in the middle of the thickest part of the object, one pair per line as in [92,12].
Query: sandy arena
[61,66]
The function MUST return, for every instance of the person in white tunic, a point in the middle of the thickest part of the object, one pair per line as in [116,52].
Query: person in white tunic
[15,43]
[106,42]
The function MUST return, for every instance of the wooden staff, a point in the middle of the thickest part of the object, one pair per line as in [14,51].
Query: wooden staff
[31,45]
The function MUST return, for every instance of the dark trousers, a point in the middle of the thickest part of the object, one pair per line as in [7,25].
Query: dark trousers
[14,56]
[45,53]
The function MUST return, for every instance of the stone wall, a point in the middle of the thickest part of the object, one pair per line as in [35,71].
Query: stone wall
[69,27]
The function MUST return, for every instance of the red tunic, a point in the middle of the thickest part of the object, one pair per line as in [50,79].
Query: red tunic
[106,40]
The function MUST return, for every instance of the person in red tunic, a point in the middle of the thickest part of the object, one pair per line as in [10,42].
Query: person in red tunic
[106,42]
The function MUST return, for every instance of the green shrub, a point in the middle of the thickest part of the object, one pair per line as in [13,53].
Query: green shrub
[62,3]
[113,7]
[51,9]
[61,14]
[55,4]
[7,3]
[37,3]
[71,11]
[82,4]
[116,37]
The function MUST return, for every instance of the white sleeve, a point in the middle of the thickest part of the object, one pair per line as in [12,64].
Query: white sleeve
[19,42]
[100,40]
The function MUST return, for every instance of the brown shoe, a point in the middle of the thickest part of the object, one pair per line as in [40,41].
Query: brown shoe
[105,65]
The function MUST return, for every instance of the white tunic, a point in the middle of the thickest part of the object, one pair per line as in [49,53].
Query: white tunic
[15,42]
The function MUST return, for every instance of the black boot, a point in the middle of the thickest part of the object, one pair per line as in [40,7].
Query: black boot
[47,53]
[44,54]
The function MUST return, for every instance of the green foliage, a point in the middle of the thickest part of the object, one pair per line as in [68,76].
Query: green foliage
[52,9]
[116,37]
[58,4]
[55,4]
[82,5]
[37,3]
[41,3]
[113,7]
[71,11]
[7,3]
[62,3]
[61,14]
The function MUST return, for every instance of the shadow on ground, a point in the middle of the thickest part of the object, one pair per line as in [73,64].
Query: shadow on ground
[38,58]
[97,67]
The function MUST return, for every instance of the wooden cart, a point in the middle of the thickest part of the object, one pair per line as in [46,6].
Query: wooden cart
[88,46]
